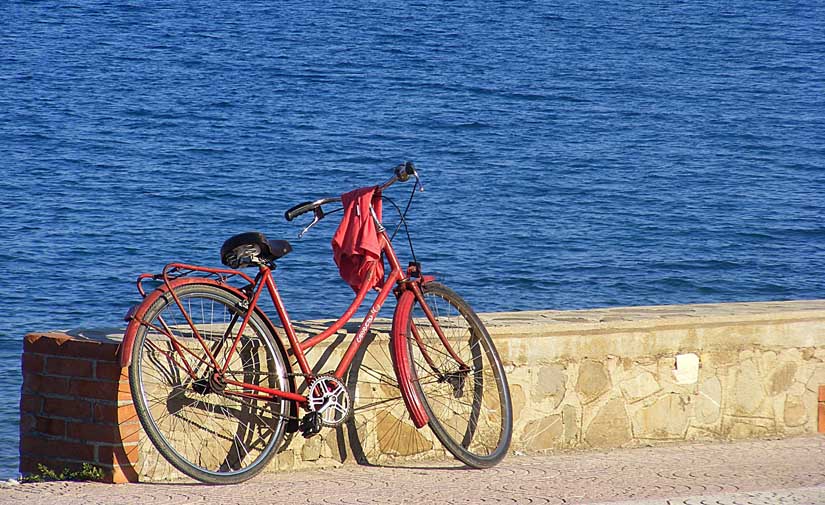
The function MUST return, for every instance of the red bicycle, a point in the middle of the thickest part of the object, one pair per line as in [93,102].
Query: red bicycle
[211,378]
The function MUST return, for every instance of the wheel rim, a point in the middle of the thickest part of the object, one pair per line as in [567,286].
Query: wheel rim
[470,406]
[202,424]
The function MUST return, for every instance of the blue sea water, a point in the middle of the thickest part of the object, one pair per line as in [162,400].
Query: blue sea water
[574,154]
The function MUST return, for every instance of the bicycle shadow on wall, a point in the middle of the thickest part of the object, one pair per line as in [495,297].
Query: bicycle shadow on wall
[379,431]
[188,408]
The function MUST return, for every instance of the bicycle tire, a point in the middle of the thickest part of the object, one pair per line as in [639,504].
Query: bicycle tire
[198,428]
[471,416]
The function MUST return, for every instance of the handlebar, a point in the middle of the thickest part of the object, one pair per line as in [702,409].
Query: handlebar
[401,173]
[304,207]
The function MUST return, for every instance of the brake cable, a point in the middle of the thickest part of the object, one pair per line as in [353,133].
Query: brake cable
[403,216]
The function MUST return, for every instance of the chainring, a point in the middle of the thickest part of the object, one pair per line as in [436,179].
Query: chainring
[329,397]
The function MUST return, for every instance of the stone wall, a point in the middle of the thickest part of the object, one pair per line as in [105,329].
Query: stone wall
[644,375]
[580,380]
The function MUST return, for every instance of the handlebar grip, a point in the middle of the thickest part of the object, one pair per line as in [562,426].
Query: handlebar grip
[299,209]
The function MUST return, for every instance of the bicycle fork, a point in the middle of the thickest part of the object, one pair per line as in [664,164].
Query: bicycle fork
[410,294]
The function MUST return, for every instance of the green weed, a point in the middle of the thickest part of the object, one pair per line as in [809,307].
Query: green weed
[87,472]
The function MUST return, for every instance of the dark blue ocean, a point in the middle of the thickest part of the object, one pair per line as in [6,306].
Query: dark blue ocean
[574,155]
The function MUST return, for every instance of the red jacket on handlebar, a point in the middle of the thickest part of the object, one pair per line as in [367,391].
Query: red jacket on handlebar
[356,245]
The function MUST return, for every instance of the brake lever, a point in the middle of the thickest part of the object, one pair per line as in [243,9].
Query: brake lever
[418,181]
[319,214]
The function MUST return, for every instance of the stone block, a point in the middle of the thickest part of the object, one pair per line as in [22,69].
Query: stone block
[640,386]
[285,460]
[572,425]
[551,384]
[398,438]
[817,377]
[747,396]
[665,419]
[546,433]
[782,378]
[518,398]
[593,380]
[610,427]
[794,412]
[712,360]
[738,428]
[708,405]
[311,449]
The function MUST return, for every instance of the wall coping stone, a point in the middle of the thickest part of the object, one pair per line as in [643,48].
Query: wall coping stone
[545,323]
[527,324]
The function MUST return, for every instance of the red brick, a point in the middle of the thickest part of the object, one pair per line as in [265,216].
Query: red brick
[32,363]
[61,344]
[124,394]
[93,389]
[130,433]
[108,433]
[29,465]
[45,384]
[117,454]
[69,366]
[123,474]
[821,418]
[101,390]
[822,393]
[111,371]
[48,426]
[60,407]
[28,423]
[30,403]
[91,349]
[112,413]
[45,343]
[59,449]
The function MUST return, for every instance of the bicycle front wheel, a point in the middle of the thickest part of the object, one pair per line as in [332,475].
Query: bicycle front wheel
[206,427]
[459,378]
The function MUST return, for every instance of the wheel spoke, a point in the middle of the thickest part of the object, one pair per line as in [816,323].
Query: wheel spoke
[198,424]
[469,410]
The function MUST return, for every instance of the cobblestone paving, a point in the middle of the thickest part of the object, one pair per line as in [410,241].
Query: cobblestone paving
[753,472]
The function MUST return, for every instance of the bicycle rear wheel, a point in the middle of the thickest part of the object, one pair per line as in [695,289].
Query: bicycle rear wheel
[212,431]
[469,407]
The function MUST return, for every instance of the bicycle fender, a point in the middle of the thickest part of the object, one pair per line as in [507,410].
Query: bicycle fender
[136,314]
[401,360]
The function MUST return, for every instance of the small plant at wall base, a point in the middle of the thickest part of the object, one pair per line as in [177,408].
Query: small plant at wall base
[87,472]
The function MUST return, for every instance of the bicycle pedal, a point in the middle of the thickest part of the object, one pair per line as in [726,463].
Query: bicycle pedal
[311,424]
[293,425]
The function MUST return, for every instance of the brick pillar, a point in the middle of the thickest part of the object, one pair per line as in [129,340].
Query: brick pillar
[75,407]
[821,409]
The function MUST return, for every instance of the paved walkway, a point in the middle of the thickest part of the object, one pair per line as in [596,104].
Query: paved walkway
[751,472]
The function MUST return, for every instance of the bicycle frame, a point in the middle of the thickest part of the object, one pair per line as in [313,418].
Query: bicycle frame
[406,285]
